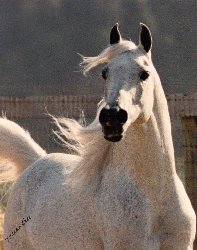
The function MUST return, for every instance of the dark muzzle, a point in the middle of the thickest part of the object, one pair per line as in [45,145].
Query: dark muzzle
[112,121]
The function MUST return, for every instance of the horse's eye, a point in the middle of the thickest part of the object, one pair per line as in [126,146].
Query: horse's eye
[104,73]
[144,75]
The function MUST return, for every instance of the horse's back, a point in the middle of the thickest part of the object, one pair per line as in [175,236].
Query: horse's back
[54,213]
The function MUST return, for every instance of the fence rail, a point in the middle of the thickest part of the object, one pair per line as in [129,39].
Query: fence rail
[37,106]
[71,106]
[182,104]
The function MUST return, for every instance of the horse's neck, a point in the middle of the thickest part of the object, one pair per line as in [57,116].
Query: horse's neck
[147,152]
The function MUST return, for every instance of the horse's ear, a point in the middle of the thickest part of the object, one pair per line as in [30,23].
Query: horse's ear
[115,36]
[145,38]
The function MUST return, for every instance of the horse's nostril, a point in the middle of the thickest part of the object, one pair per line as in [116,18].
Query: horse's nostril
[103,117]
[122,116]
[112,115]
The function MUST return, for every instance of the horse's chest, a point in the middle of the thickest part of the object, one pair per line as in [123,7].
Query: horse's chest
[122,206]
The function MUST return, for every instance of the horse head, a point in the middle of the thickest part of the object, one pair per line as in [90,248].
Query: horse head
[129,83]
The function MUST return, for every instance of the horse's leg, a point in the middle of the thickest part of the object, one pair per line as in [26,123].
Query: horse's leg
[178,223]
[15,222]
[169,247]
[20,245]
[177,242]
[177,238]
[19,241]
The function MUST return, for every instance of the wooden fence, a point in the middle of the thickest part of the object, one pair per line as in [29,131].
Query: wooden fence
[31,113]
[32,107]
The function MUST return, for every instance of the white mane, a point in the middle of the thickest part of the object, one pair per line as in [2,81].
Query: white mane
[73,135]
[88,142]
[106,55]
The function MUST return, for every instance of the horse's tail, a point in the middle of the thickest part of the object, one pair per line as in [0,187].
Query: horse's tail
[17,150]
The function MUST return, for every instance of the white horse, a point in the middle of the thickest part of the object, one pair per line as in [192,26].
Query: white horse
[120,191]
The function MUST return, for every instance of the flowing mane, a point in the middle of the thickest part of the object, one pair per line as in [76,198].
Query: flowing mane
[86,142]
[106,55]
[73,135]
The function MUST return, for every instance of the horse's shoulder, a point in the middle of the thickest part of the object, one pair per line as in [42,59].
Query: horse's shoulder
[50,168]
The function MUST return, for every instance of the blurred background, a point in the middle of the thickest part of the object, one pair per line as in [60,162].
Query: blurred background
[39,66]
[39,42]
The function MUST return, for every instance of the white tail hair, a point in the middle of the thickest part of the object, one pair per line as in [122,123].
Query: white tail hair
[17,148]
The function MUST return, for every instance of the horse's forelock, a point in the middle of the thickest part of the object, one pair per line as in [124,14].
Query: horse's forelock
[106,55]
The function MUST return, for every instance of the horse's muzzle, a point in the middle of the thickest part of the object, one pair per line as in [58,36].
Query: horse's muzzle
[112,121]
